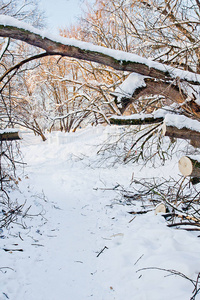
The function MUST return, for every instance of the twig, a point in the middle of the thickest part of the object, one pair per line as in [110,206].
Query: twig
[20,236]
[132,219]
[101,251]
[6,268]
[8,250]
[173,272]
[183,224]
[196,289]
[141,212]
[146,133]
[5,295]
[138,259]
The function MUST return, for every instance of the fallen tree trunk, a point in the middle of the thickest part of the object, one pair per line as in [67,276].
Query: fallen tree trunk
[135,120]
[182,127]
[189,167]
[119,60]
[154,86]
[9,136]
[195,143]
[182,133]
[83,50]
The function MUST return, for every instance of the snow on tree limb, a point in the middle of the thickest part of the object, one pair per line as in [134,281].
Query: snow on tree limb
[119,60]
[10,135]
[182,127]
[142,118]
[181,122]
[136,86]
[135,119]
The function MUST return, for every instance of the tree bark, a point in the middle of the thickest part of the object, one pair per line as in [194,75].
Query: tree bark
[10,136]
[183,133]
[170,91]
[113,58]
[138,121]
[195,144]
[161,75]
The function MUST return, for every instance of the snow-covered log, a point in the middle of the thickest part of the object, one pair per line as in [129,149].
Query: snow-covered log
[135,119]
[10,135]
[179,126]
[137,86]
[159,76]
[189,166]
[119,60]
[183,133]
[195,143]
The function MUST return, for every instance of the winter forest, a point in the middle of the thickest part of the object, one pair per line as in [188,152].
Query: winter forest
[100,152]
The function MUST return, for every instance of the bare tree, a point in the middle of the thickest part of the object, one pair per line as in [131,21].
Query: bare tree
[15,100]
[165,31]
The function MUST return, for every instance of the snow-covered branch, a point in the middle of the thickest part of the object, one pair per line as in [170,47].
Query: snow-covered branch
[10,134]
[179,126]
[136,86]
[119,60]
[136,119]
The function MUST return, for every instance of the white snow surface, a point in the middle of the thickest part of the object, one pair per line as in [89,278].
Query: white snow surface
[9,130]
[158,113]
[62,258]
[128,87]
[181,121]
[116,54]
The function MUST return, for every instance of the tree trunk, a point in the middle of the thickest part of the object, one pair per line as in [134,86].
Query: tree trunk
[170,91]
[9,136]
[195,144]
[148,119]
[118,60]
[39,131]
[183,133]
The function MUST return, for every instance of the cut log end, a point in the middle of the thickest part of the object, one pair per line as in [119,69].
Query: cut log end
[160,208]
[164,129]
[185,166]
[189,167]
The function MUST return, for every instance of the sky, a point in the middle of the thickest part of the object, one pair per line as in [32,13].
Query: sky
[61,13]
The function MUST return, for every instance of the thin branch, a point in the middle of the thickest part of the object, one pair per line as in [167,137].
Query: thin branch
[21,63]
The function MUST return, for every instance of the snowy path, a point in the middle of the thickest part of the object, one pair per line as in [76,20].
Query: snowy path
[60,260]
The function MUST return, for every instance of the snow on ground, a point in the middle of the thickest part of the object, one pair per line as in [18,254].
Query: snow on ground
[84,245]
